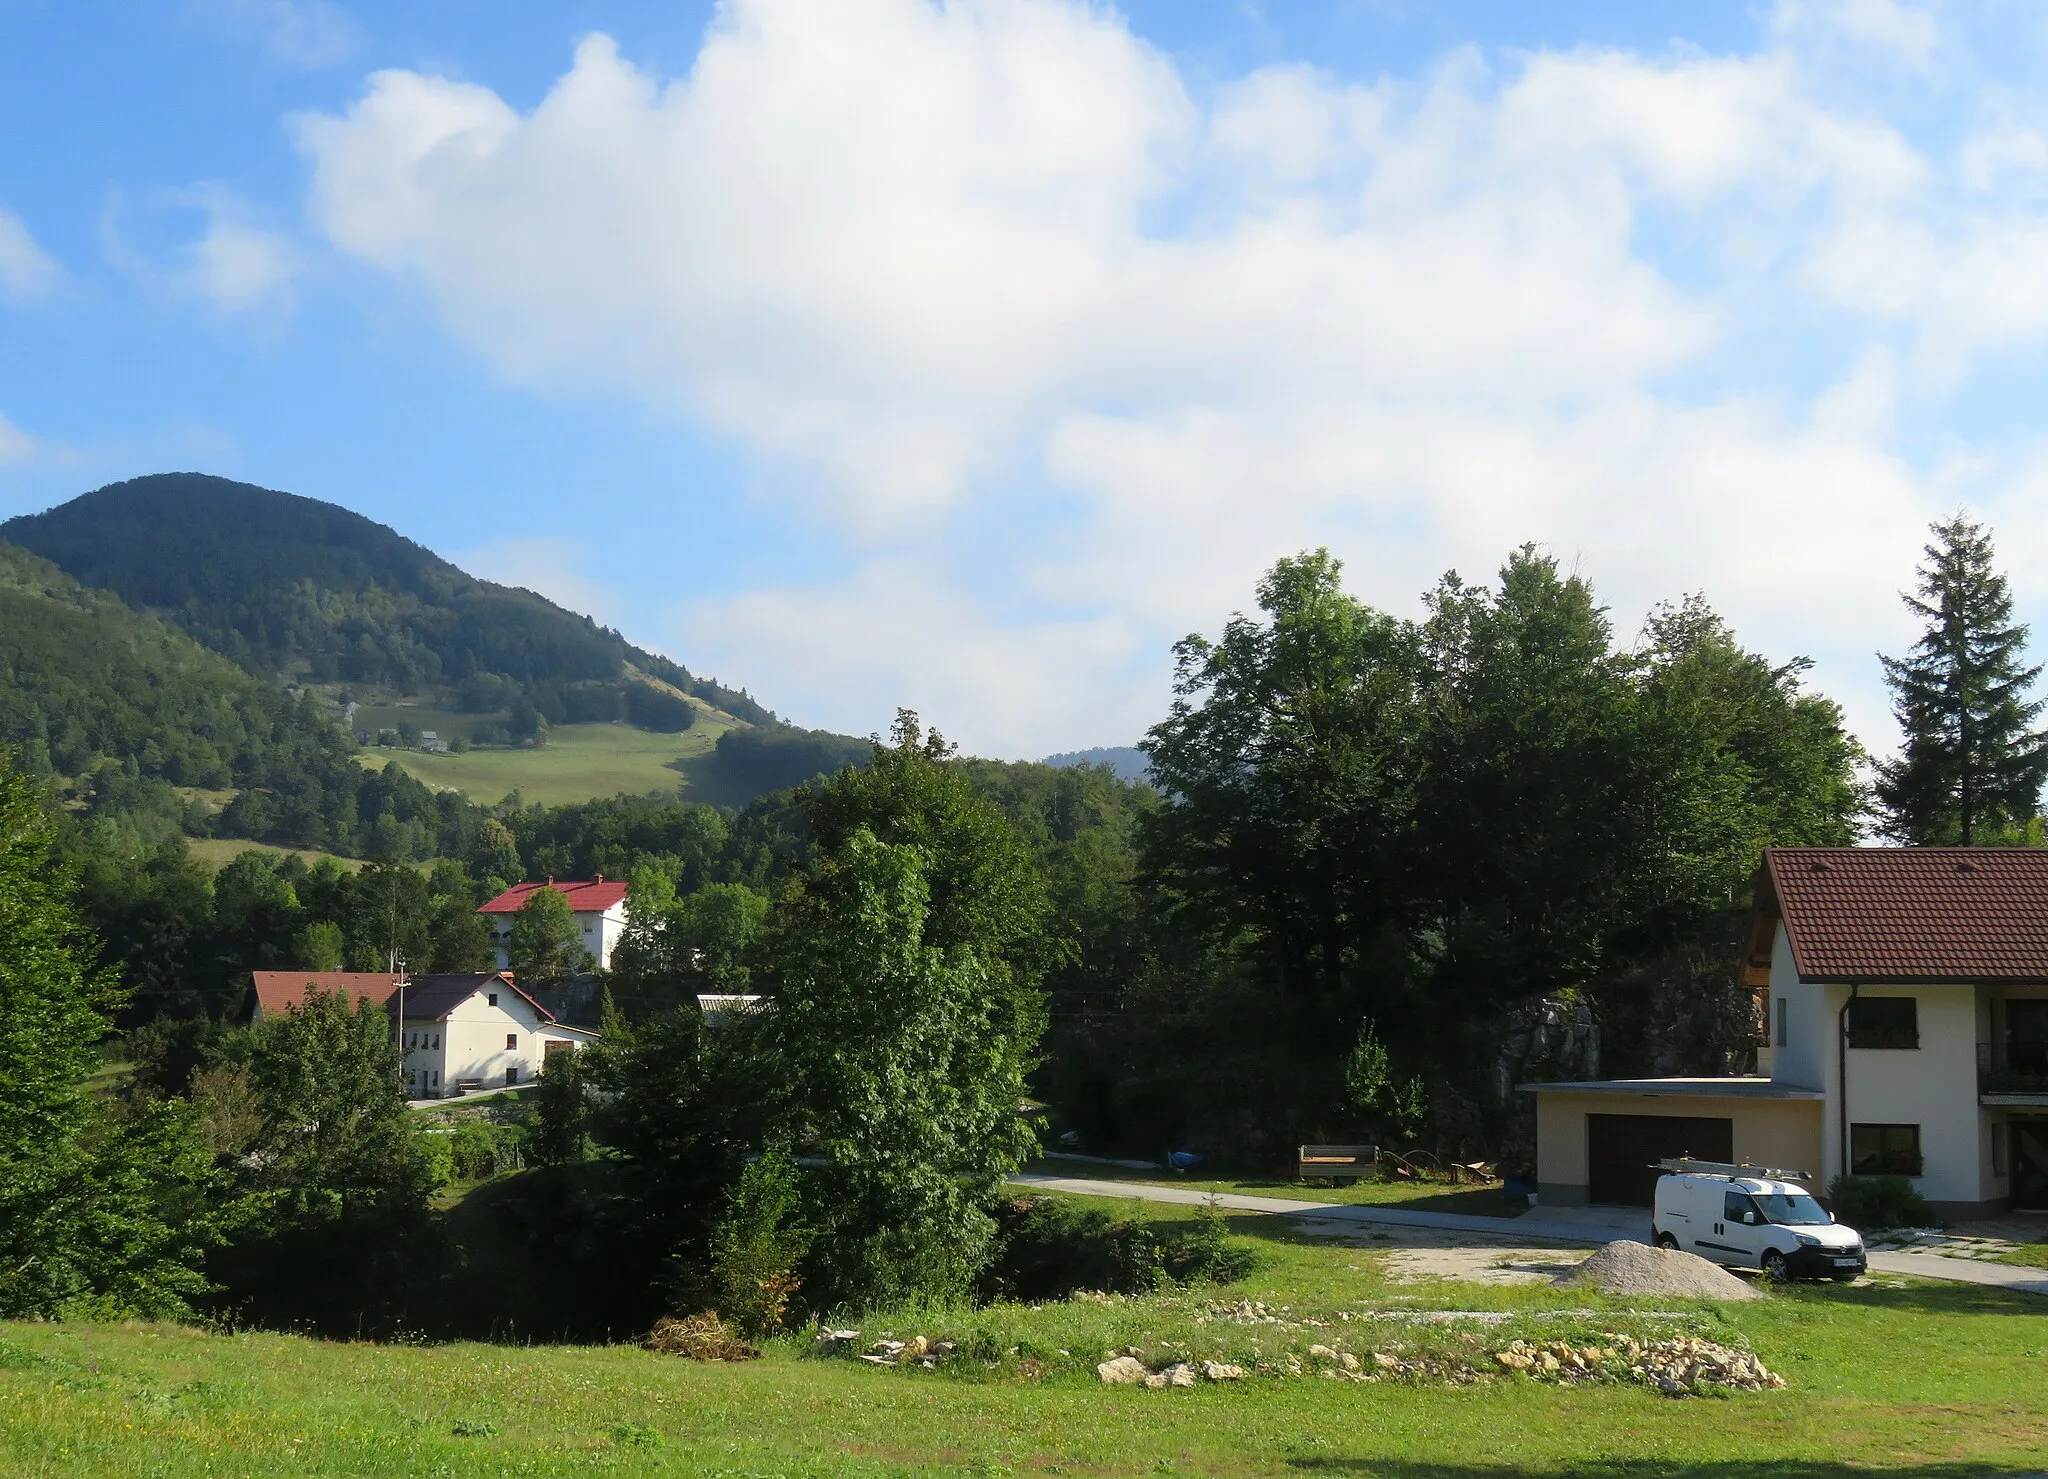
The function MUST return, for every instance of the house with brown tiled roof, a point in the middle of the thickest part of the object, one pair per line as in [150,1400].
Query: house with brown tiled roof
[458,1030]
[1904,993]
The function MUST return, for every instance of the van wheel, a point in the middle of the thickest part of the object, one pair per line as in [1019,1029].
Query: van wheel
[1665,1240]
[1774,1267]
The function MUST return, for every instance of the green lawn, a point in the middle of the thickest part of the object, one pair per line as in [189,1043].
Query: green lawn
[579,762]
[1923,1381]
[1477,1201]
[217,851]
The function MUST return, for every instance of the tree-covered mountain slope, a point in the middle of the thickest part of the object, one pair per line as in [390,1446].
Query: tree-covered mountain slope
[134,716]
[291,585]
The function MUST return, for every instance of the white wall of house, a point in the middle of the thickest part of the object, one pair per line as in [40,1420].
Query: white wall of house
[1933,1086]
[482,1039]
[599,931]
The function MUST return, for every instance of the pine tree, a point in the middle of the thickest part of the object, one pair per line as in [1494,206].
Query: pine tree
[1972,765]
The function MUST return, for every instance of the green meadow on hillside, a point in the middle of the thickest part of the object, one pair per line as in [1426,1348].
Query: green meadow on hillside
[579,762]
[1923,1381]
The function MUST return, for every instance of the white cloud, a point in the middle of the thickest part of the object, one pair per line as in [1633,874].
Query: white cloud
[25,269]
[548,567]
[237,266]
[1904,33]
[899,634]
[306,34]
[933,264]
[16,445]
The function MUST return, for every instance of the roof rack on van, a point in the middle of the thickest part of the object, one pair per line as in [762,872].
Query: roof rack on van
[1687,1166]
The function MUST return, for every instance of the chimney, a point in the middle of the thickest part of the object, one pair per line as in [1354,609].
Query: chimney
[600,878]
[551,880]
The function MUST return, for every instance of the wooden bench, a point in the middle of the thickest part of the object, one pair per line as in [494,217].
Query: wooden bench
[1338,1162]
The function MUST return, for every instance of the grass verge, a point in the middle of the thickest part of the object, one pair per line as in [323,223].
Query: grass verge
[1932,1382]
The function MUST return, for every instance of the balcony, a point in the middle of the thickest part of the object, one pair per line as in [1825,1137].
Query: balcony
[2022,1083]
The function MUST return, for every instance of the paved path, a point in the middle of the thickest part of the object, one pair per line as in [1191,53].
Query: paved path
[1583,1229]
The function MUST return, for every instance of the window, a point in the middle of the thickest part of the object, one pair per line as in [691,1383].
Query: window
[1884,1022]
[511,1077]
[2026,1034]
[1884,1150]
[511,1041]
[1736,1207]
[1791,1209]
[491,999]
[437,1040]
[1780,1039]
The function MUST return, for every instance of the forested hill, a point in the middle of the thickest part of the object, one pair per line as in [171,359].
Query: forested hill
[139,721]
[290,585]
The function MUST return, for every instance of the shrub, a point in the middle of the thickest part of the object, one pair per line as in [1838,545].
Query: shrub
[1202,1253]
[1050,1249]
[1870,1203]
[755,1250]
[479,1148]
[439,1156]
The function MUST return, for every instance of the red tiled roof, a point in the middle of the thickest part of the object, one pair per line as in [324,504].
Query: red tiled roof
[1911,914]
[584,898]
[278,990]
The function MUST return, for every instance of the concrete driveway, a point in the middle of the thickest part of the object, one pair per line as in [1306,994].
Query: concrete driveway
[1580,1227]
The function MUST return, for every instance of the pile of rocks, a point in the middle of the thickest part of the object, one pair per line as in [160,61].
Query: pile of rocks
[1386,1366]
[919,1350]
[1128,1370]
[1674,1367]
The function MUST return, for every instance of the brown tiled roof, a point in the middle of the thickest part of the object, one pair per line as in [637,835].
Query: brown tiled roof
[1911,914]
[278,990]
[427,997]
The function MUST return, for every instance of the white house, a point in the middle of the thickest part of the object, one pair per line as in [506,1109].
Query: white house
[468,1030]
[476,1030]
[599,907]
[1905,997]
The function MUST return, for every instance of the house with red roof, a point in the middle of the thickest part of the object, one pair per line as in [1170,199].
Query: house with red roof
[599,906]
[460,1031]
[1904,997]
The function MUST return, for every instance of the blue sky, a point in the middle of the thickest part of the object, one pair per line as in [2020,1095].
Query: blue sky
[879,352]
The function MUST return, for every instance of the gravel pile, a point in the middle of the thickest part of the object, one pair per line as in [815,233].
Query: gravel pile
[1637,1268]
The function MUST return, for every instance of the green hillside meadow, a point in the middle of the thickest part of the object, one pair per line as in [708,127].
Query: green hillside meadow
[578,762]
[1909,1380]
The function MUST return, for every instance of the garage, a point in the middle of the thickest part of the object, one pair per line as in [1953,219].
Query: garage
[1621,1149]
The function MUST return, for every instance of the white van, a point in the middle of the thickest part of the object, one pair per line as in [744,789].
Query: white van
[1745,1218]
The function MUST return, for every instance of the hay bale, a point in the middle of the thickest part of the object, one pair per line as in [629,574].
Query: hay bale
[1636,1268]
[702,1337]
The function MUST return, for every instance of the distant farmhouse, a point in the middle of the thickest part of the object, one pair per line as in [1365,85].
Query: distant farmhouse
[1905,995]
[461,1032]
[599,907]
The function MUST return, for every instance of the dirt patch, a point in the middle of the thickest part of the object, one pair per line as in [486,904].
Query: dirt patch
[1637,1268]
[1442,1253]
[1485,1265]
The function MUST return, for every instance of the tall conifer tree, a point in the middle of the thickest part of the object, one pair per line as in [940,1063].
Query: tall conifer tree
[1972,764]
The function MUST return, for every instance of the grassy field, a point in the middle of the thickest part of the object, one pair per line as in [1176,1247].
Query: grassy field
[579,761]
[1923,1381]
[216,851]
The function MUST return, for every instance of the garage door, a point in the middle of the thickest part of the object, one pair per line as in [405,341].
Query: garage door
[1621,1148]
